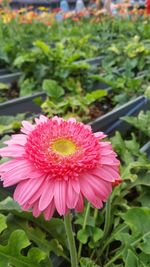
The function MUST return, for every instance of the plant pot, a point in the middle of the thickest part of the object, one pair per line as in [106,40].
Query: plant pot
[34,3]
[4,71]
[37,3]
[10,77]
[146,149]
[93,61]
[111,122]
[21,105]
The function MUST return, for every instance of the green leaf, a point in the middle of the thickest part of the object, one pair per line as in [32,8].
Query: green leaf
[97,234]
[9,204]
[141,122]
[57,248]
[38,101]
[52,89]
[135,235]
[145,259]
[83,235]
[4,86]
[24,58]
[96,95]
[101,79]
[131,259]
[143,179]
[27,87]
[43,46]
[54,227]
[133,160]
[144,197]
[80,220]
[35,234]
[145,245]
[10,123]
[3,192]
[3,224]
[138,219]
[11,254]
[87,262]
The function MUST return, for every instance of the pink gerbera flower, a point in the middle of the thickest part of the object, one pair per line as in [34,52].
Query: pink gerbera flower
[56,163]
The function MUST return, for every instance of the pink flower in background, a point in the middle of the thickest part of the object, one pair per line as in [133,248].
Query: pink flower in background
[56,164]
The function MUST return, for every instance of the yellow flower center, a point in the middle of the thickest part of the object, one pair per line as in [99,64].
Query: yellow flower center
[64,147]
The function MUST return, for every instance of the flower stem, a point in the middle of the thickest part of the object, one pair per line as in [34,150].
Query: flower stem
[83,228]
[71,241]
[106,226]
[107,218]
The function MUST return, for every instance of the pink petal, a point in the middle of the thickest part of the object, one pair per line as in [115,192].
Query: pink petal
[26,189]
[72,196]
[60,196]
[102,188]
[106,145]
[26,207]
[55,118]
[9,165]
[19,165]
[76,185]
[49,211]
[47,195]
[27,127]
[100,135]
[80,204]
[36,211]
[106,173]
[108,160]
[42,118]
[17,139]
[72,120]
[89,192]
[37,194]
[87,127]
[105,151]
[22,172]
[12,151]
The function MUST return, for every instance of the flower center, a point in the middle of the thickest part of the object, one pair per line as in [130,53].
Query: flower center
[64,147]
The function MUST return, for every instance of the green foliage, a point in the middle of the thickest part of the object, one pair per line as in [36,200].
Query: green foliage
[129,153]
[26,87]
[56,54]
[47,59]
[141,122]
[11,253]
[4,86]
[86,262]
[27,241]
[125,240]
[3,224]
[56,64]
[52,89]
[3,91]
[73,105]
[138,222]
[95,96]
[94,234]
[8,124]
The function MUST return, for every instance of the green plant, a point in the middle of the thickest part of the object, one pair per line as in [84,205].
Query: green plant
[115,236]
[75,103]
[141,122]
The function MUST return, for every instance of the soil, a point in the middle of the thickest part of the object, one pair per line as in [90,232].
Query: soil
[11,93]
[100,108]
